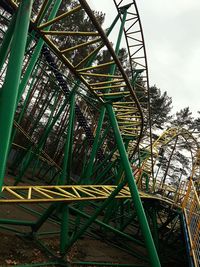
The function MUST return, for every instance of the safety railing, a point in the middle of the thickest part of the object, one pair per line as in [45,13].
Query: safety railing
[191,210]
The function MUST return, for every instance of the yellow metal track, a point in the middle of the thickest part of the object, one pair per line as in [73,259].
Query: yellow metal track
[96,78]
[67,193]
[191,211]
[163,140]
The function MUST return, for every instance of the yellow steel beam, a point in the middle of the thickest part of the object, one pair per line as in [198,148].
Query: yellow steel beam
[109,86]
[103,80]
[62,16]
[106,82]
[63,51]
[65,193]
[97,66]
[70,33]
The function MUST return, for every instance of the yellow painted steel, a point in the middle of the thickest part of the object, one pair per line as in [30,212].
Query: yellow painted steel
[59,18]
[68,193]
[45,156]
[41,11]
[109,86]
[165,138]
[106,82]
[49,162]
[100,75]
[95,41]
[99,66]
[70,33]
[64,51]
[191,209]
[115,94]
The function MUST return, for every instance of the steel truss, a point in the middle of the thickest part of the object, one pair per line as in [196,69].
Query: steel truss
[72,127]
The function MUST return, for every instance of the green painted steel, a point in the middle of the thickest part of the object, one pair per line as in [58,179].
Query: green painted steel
[16,222]
[5,45]
[64,228]
[92,263]
[133,189]
[117,167]
[41,142]
[9,92]
[107,226]
[52,263]
[43,218]
[95,215]
[90,164]
[65,175]
[36,52]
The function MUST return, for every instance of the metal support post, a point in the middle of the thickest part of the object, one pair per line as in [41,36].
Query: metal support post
[41,142]
[95,215]
[133,190]
[89,168]
[90,165]
[64,179]
[36,53]
[9,91]
[43,218]
[5,46]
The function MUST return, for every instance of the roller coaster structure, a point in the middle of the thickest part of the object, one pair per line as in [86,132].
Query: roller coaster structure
[76,134]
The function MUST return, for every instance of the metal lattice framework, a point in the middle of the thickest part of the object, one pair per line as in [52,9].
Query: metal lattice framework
[72,122]
[168,137]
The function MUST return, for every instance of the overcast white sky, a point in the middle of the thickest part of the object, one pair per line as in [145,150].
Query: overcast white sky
[172,39]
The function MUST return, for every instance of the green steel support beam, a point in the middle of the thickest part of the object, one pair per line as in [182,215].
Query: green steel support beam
[90,263]
[107,158]
[87,172]
[133,190]
[107,226]
[95,215]
[54,97]
[24,106]
[64,179]
[89,168]
[41,142]
[36,53]
[103,173]
[64,228]
[16,222]
[104,135]
[90,165]
[51,263]
[128,221]
[5,46]
[43,218]
[115,205]
[28,95]
[9,91]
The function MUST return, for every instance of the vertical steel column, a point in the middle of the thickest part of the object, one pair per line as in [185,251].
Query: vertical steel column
[133,190]
[64,179]
[9,91]
[5,46]
[41,142]
[95,215]
[37,51]
[90,164]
